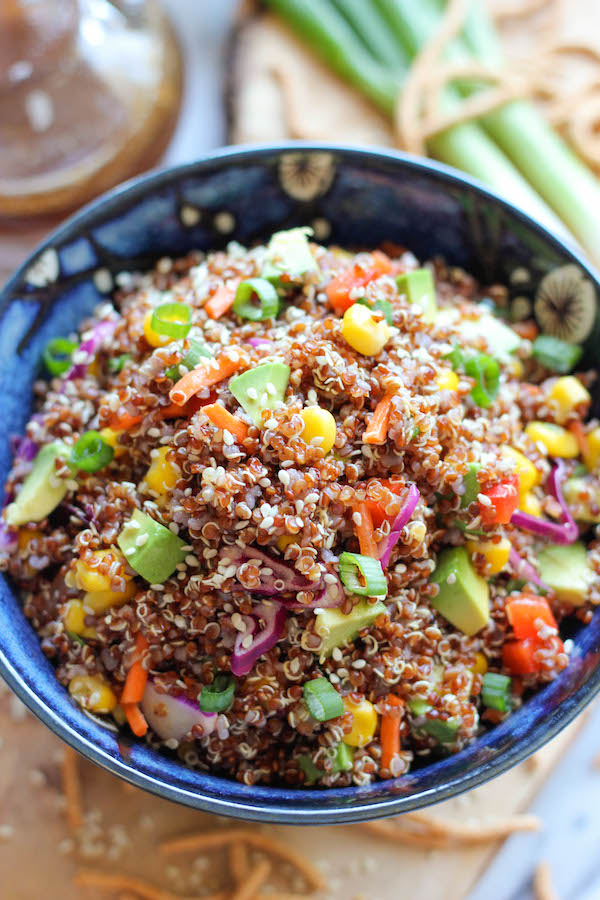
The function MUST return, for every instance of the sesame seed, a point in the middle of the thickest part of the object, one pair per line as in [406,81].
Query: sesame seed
[252,393]
[484,500]
[141,539]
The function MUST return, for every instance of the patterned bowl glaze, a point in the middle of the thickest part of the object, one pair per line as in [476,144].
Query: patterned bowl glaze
[356,198]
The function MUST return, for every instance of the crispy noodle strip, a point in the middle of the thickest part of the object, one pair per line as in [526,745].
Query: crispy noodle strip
[238,861]
[72,788]
[543,884]
[203,840]
[519,9]
[255,880]
[433,832]
[132,885]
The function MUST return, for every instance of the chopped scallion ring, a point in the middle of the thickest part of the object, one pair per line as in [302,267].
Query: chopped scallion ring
[91,453]
[58,354]
[116,363]
[172,319]
[322,700]
[218,696]
[245,306]
[486,372]
[196,352]
[373,584]
[495,691]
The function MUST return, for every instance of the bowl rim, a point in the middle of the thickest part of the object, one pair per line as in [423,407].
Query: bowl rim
[283,812]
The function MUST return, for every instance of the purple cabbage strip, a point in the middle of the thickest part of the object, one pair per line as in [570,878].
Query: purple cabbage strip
[565,533]
[406,511]
[260,342]
[524,569]
[263,639]
[101,333]
[284,577]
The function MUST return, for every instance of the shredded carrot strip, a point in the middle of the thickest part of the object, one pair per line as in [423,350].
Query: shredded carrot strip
[222,418]
[377,428]
[124,422]
[116,882]
[136,719]
[578,430]
[254,881]
[72,788]
[364,531]
[390,732]
[222,299]
[210,372]
[137,677]
[203,840]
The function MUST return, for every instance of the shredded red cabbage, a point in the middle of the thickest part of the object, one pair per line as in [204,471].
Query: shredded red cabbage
[272,614]
[172,718]
[564,533]
[260,342]
[282,576]
[406,511]
[101,333]
[524,569]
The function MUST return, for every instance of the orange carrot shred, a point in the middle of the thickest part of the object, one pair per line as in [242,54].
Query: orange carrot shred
[364,531]
[222,418]
[577,429]
[124,422]
[390,733]
[377,428]
[136,719]
[137,677]
[210,372]
[222,300]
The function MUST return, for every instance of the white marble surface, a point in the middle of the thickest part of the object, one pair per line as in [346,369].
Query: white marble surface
[569,804]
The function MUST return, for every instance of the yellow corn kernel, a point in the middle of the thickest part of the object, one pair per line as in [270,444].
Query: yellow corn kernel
[480,666]
[111,437]
[530,504]
[94,367]
[26,535]
[363,331]
[447,380]
[318,423]
[527,473]
[88,578]
[162,476]
[566,394]
[285,540]
[98,602]
[556,439]
[496,555]
[592,457]
[93,693]
[153,337]
[73,616]
[364,722]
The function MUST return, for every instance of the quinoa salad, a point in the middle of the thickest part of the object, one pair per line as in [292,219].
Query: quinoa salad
[304,516]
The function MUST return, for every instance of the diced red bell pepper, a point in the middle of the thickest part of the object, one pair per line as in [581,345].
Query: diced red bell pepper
[375,507]
[523,611]
[339,289]
[505,499]
[519,656]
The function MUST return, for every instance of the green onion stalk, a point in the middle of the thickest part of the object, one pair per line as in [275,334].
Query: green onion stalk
[349,37]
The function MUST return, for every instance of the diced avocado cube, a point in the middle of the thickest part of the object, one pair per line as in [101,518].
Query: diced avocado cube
[344,758]
[583,499]
[419,288]
[156,557]
[337,629]
[443,730]
[471,484]
[308,767]
[418,706]
[259,388]
[464,597]
[501,338]
[566,569]
[289,254]
[42,490]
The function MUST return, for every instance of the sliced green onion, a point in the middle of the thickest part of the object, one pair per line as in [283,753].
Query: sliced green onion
[76,637]
[556,355]
[244,305]
[344,758]
[456,358]
[322,700]
[495,691]
[116,363]
[382,306]
[196,352]
[308,767]
[373,584]
[486,372]
[58,354]
[218,696]
[91,453]
[418,706]
[172,319]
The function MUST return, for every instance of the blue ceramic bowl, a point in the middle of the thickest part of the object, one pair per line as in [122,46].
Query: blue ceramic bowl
[351,197]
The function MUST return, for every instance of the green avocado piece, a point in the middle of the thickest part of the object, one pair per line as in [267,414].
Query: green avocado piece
[583,499]
[471,484]
[418,706]
[566,569]
[443,730]
[419,288]
[289,253]
[338,629]
[308,767]
[42,491]
[344,758]
[268,381]
[502,340]
[464,597]
[157,557]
